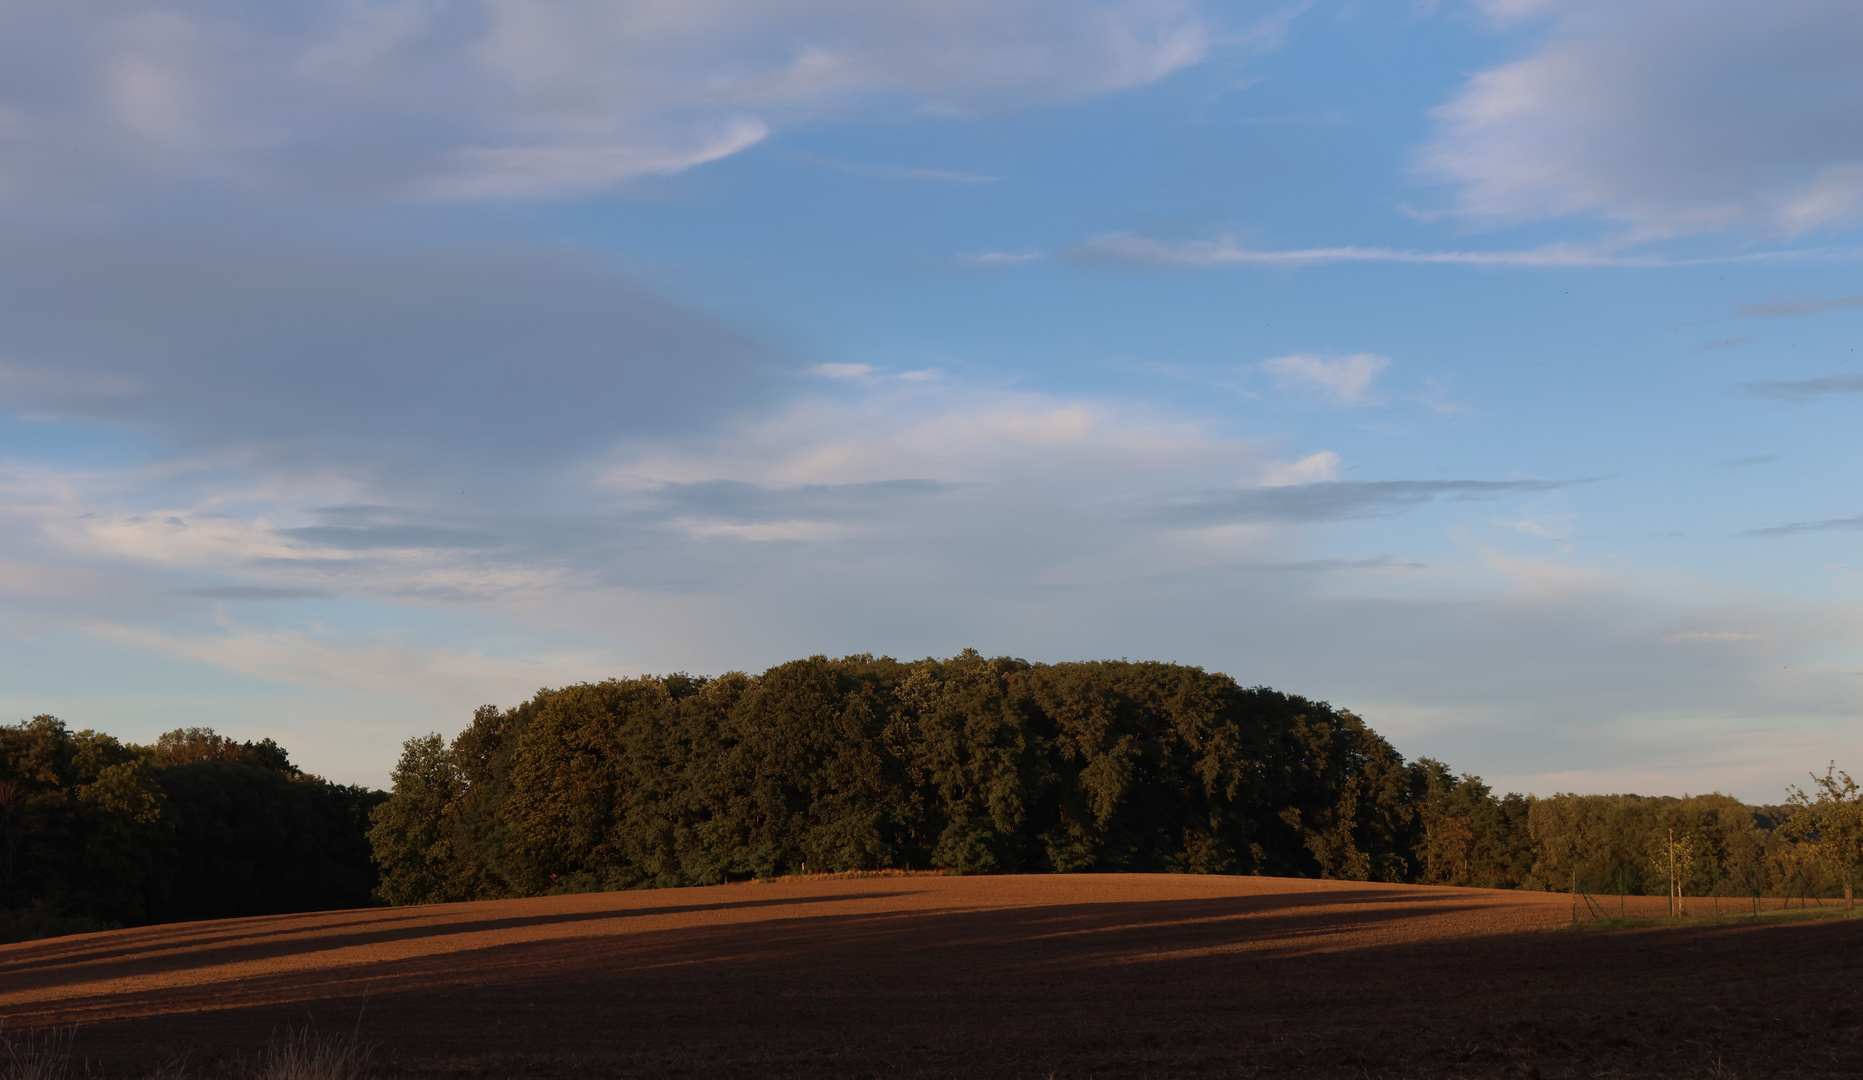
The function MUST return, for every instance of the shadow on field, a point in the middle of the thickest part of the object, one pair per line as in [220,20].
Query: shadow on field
[478,953]
[88,959]
[1240,986]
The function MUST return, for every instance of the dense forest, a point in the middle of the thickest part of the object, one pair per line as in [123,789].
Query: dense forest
[981,765]
[970,765]
[95,832]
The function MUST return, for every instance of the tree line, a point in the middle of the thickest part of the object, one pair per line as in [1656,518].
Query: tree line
[95,832]
[1712,847]
[996,765]
[971,764]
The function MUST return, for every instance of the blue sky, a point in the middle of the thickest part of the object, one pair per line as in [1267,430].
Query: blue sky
[1486,368]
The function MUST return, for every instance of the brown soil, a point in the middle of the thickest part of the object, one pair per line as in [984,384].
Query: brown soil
[925,976]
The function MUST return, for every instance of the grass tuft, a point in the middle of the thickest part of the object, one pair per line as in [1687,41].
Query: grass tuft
[309,1054]
[36,1055]
[301,1054]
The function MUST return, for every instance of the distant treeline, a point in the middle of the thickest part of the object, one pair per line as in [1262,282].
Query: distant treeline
[95,832]
[982,765]
[972,764]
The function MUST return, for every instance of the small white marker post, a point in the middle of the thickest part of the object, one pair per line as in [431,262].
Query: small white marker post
[1672,873]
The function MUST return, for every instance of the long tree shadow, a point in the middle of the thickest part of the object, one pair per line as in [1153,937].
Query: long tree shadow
[1206,987]
[34,971]
[205,933]
[1062,936]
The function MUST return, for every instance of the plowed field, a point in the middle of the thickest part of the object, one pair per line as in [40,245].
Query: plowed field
[925,976]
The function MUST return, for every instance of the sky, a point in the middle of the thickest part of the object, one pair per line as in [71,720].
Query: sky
[1484,367]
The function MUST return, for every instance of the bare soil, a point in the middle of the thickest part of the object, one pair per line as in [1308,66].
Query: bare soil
[927,976]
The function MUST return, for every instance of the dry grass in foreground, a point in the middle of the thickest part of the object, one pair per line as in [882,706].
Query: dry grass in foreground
[300,1054]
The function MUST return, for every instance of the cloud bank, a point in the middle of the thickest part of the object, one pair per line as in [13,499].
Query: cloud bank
[1668,117]
[403,99]
[480,362]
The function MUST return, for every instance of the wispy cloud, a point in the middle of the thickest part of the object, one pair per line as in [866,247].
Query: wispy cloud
[842,371]
[1716,637]
[876,171]
[384,666]
[399,536]
[253,593]
[1785,309]
[1509,10]
[1557,529]
[1341,381]
[999,258]
[1804,389]
[1849,524]
[499,172]
[28,380]
[1227,251]
[1343,500]
[1329,566]
[764,532]
[1325,119]
[784,511]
